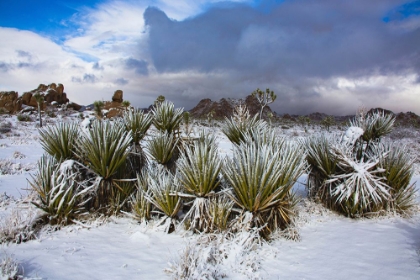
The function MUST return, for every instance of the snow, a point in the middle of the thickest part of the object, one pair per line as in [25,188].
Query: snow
[330,246]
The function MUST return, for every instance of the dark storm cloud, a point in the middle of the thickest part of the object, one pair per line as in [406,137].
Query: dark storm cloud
[304,38]
[294,43]
[139,66]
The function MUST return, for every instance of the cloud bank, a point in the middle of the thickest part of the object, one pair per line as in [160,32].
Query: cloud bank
[329,56]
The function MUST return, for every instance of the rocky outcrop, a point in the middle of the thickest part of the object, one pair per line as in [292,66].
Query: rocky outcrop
[114,107]
[52,93]
[226,106]
[9,101]
[118,96]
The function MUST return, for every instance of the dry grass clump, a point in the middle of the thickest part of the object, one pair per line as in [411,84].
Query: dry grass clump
[10,269]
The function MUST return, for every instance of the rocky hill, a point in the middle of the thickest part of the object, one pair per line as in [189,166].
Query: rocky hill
[225,107]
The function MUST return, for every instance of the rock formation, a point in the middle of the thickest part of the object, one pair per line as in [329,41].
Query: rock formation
[12,103]
[51,93]
[114,107]
[9,101]
[226,106]
[118,96]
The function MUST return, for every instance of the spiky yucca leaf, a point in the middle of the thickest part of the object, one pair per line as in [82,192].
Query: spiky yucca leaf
[261,179]
[163,189]
[166,118]
[137,123]
[141,207]
[61,197]
[41,182]
[104,148]
[162,147]
[398,174]
[59,140]
[323,164]
[359,188]
[199,169]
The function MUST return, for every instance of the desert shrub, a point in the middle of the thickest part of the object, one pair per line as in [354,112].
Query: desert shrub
[60,140]
[24,118]
[59,195]
[18,227]
[218,256]
[10,269]
[240,124]
[166,118]
[163,189]
[261,177]
[199,167]
[104,149]
[5,127]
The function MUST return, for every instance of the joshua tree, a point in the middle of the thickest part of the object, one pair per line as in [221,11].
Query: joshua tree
[264,98]
[39,100]
[159,100]
[328,122]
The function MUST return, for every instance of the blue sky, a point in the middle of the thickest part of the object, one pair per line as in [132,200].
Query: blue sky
[333,56]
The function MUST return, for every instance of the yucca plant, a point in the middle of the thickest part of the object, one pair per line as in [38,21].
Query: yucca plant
[359,188]
[261,179]
[104,149]
[137,123]
[374,125]
[162,148]
[241,124]
[140,206]
[199,169]
[60,196]
[398,172]
[166,118]
[59,140]
[163,189]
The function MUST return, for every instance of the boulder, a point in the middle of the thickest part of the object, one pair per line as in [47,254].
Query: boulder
[118,96]
[9,101]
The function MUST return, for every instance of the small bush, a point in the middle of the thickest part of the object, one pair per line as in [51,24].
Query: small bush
[24,118]
[5,127]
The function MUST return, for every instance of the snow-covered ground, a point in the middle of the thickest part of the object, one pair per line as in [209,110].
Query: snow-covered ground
[330,246]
